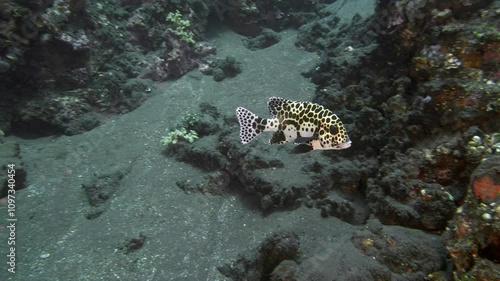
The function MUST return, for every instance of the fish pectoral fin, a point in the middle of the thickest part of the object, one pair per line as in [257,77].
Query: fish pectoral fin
[306,140]
[301,140]
[302,148]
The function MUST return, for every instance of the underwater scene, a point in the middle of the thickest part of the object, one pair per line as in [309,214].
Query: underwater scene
[249,140]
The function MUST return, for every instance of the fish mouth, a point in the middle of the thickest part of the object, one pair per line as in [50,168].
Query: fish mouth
[343,145]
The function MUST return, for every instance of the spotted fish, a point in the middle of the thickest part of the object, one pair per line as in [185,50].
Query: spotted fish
[310,125]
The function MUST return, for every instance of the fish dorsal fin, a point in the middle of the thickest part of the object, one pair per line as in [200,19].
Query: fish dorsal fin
[275,104]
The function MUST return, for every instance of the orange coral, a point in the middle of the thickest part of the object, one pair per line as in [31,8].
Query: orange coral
[485,188]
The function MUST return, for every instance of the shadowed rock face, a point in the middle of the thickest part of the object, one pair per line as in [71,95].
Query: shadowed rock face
[474,233]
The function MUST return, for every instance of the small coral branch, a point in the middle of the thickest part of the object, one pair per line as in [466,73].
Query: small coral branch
[177,135]
[181,27]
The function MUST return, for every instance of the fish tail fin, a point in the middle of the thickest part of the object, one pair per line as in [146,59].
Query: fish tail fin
[249,122]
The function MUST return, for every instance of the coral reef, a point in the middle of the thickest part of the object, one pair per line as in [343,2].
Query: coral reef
[398,253]
[88,52]
[250,17]
[265,39]
[259,265]
[221,68]
[473,238]
[178,58]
